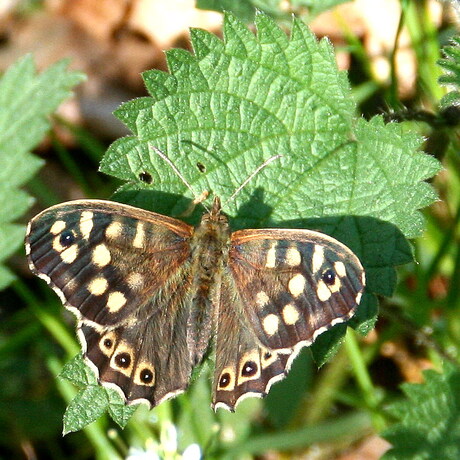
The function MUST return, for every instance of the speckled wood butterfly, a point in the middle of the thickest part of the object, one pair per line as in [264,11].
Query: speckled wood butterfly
[153,294]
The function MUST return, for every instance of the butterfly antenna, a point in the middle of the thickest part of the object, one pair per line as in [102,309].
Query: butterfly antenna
[262,166]
[198,198]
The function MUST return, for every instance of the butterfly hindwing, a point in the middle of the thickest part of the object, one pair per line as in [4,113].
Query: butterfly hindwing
[147,358]
[243,367]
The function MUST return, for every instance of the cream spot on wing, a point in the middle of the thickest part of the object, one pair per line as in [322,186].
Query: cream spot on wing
[270,324]
[340,269]
[297,284]
[262,298]
[57,246]
[135,280]
[70,254]
[101,255]
[98,286]
[113,230]
[226,379]
[86,224]
[290,314]
[116,301]
[140,235]
[336,286]
[322,291]
[293,257]
[318,258]
[270,262]
[358,297]
[267,357]
[57,227]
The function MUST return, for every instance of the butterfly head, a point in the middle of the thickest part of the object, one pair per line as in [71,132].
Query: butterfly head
[215,214]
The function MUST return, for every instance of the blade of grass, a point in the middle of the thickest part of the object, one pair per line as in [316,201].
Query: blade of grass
[295,439]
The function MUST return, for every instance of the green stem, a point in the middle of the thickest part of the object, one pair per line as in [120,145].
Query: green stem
[363,379]
[393,98]
[326,387]
[52,324]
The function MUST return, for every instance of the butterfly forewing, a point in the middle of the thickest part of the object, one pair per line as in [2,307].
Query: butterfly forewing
[295,284]
[105,259]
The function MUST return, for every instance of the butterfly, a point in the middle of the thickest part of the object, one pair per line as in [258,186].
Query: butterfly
[153,296]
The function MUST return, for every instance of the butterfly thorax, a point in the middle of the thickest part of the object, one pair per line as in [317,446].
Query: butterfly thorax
[209,253]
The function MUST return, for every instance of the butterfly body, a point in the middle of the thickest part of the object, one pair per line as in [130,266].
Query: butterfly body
[209,255]
[152,295]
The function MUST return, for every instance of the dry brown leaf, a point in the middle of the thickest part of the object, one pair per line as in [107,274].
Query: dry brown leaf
[371,448]
[410,366]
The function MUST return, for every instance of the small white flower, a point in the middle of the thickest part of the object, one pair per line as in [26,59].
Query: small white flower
[168,438]
[135,453]
[192,452]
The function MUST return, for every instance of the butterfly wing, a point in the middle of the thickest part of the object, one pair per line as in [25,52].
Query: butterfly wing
[117,268]
[284,288]
[243,367]
[147,358]
[295,284]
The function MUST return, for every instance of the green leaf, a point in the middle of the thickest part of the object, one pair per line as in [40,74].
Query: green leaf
[429,420]
[234,104]
[451,66]
[220,113]
[316,7]
[77,417]
[77,372]
[89,404]
[118,410]
[26,100]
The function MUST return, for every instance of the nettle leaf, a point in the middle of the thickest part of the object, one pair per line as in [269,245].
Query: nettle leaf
[222,112]
[101,399]
[118,410]
[451,66]
[26,100]
[77,372]
[429,420]
[89,404]
[233,104]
